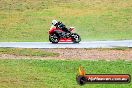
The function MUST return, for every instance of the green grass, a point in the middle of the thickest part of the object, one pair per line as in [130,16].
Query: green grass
[93,19]
[27,52]
[58,73]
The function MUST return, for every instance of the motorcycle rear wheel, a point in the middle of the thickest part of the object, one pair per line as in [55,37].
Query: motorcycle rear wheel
[53,38]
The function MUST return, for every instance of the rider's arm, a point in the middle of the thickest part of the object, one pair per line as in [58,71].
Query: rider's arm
[61,25]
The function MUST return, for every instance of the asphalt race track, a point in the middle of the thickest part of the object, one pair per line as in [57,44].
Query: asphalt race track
[89,44]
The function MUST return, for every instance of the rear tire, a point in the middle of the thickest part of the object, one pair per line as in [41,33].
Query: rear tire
[75,38]
[53,38]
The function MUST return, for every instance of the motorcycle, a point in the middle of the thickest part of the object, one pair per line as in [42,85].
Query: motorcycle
[57,35]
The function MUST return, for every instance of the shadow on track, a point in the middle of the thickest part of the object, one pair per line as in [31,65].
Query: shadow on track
[64,43]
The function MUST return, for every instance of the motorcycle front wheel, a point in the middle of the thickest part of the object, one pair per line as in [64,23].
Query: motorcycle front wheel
[75,38]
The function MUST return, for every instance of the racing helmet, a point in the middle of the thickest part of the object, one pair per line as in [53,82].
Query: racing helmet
[54,22]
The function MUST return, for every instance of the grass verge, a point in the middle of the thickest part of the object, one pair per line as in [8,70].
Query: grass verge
[58,73]
[27,52]
[93,19]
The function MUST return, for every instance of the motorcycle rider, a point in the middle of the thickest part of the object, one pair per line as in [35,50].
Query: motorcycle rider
[60,25]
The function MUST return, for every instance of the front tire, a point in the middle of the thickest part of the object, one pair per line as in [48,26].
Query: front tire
[75,38]
[53,38]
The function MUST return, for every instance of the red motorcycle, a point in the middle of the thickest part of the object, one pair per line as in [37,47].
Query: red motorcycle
[57,35]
